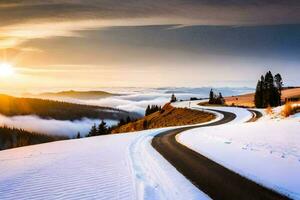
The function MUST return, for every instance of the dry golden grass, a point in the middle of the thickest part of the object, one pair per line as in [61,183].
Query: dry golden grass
[168,116]
[289,109]
[247,100]
[269,110]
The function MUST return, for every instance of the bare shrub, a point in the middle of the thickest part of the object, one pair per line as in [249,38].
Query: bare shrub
[269,110]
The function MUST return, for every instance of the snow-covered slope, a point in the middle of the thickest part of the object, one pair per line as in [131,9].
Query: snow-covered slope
[123,166]
[267,151]
[91,168]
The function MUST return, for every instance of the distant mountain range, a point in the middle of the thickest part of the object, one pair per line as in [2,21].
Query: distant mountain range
[84,95]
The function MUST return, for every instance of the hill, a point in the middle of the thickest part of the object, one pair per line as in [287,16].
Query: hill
[248,99]
[168,116]
[11,138]
[12,106]
[83,95]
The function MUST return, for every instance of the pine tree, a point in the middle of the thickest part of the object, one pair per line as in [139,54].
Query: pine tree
[121,122]
[268,91]
[128,119]
[147,112]
[211,97]
[78,135]
[258,95]
[102,128]
[279,86]
[173,98]
[221,100]
[93,131]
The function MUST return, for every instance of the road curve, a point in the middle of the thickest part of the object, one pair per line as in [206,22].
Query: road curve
[255,115]
[208,176]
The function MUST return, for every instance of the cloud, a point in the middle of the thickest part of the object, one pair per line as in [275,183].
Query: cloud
[138,100]
[51,127]
[25,20]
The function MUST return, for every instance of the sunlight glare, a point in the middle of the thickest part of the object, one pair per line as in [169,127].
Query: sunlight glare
[6,69]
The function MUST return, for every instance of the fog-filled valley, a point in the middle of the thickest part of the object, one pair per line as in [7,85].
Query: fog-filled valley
[133,100]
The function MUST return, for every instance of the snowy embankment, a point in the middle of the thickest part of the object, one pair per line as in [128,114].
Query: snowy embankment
[156,178]
[242,115]
[267,151]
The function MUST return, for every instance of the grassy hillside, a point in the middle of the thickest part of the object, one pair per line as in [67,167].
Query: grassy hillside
[248,99]
[168,116]
[11,138]
[11,106]
[75,94]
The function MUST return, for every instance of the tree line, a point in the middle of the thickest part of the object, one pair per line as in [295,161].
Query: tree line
[103,129]
[268,91]
[12,137]
[216,99]
[152,109]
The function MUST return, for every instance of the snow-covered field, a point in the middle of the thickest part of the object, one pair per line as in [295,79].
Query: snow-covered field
[267,151]
[90,168]
[123,166]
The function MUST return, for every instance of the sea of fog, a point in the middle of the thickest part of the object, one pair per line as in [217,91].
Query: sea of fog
[129,99]
[137,99]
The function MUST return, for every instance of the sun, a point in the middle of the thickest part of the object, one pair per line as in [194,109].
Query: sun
[6,69]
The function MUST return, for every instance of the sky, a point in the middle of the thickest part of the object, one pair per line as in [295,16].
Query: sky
[88,44]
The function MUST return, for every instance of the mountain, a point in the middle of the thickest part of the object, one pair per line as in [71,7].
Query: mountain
[84,95]
[13,106]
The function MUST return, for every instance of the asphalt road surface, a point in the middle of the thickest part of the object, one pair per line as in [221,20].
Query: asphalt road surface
[208,176]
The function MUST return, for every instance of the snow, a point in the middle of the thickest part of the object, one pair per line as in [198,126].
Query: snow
[156,177]
[90,168]
[122,166]
[267,152]
[242,115]
[126,166]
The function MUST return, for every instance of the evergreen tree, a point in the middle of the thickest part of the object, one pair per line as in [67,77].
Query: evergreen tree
[121,122]
[147,110]
[279,86]
[221,100]
[102,128]
[173,98]
[152,109]
[93,131]
[268,91]
[211,97]
[216,99]
[258,98]
[128,119]
[78,135]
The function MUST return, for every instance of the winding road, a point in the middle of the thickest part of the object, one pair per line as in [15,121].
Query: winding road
[208,176]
